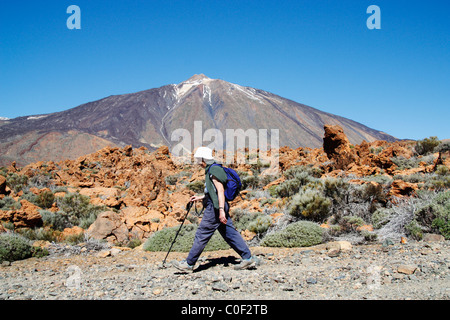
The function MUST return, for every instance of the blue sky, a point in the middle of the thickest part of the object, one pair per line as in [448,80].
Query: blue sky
[319,53]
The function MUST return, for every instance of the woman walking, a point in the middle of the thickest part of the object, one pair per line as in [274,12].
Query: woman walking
[216,215]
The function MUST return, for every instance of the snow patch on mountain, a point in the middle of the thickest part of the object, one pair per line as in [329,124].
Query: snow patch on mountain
[249,92]
[184,87]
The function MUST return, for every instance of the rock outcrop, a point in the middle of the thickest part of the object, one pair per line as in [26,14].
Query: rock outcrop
[142,192]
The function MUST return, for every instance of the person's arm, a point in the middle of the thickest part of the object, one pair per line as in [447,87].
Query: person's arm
[197,198]
[221,196]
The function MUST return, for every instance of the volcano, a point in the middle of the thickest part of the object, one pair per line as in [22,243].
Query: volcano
[148,118]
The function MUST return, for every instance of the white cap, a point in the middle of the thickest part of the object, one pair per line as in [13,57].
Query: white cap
[204,152]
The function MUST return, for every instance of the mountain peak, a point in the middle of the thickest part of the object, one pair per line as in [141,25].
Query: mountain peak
[197,77]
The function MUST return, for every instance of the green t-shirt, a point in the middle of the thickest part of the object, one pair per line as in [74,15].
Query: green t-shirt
[219,174]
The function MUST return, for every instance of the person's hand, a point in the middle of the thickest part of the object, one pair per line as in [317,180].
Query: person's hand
[222,216]
[196,198]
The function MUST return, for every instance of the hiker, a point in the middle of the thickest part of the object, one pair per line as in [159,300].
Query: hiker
[216,215]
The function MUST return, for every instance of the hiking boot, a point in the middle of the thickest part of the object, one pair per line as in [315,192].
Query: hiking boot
[183,266]
[245,264]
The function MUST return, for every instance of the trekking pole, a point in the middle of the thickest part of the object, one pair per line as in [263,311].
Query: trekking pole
[188,208]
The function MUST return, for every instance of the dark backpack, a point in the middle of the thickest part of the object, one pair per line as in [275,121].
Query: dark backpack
[233,186]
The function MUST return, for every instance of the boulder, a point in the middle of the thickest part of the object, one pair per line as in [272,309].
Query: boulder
[400,188]
[2,185]
[337,147]
[142,221]
[70,232]
[432,237]
[27,216]
[339,245]
[334,140]
[406,269]
[109,226]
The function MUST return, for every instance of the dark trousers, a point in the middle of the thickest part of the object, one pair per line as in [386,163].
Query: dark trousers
[210,223]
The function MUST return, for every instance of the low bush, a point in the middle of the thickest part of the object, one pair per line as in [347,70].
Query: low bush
[161,240]
[261,224]
[414,230]
[426,145]
[45,199]
[172,179]
[297,234]
[196,186]
[296,177]
[250,182]
[436,214]
[14,247]
[8,203]
[16,181]
[380,217]
[350,223]
[310,204]
[77,210]
[54,220]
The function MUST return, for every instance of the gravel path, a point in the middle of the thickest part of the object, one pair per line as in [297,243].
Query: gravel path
[415,270]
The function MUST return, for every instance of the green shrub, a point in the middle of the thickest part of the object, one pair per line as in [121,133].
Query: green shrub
[436,214]
[297,234]
[261,224]
[250,182]
[294,172]
[133,243]
[442,170]
[172,179]
[369,236]
[403,163]
[196,186]
[438,182]
[311,204]
[14,247]
[266,179]
[54,220]
[45,234]
[335,188]
[443,147]
[8,203]
[161,240]
[380,217]
[443,225]
[426,145]
[414,229]
[349,223]
[296,178]
[45,199]
[287,188]
[255,222]
[16,182]
[29,196]
[77,210]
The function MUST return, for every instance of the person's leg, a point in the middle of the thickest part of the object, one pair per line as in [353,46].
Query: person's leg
[204,232]
[234,238]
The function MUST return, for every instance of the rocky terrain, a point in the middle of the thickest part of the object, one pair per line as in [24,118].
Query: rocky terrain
[92,216]
[337,270]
